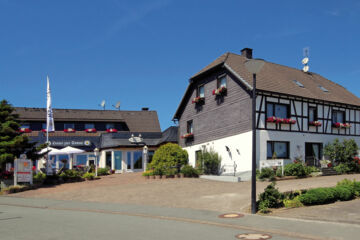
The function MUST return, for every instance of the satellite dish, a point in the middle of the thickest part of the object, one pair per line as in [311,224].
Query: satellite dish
[117,106]
[102,104]
[306,68]
[305,60]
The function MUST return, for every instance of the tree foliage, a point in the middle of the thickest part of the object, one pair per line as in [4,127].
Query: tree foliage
[210,161]
[168,156]
[341,152]
[12,142]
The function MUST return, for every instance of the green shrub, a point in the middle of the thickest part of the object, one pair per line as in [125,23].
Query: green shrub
[295,169]
[266,173]
[103,171]
[293,203]
[263,206]
[89,176]
[342,168]
[168,156]
[279,172]
[211,161]
[341,152]
[189,171]
[148,173]
[318,196]
[311,169]
[353,185]
[171,172]
[344,193]
[271,197]
[70,174]
[39,177]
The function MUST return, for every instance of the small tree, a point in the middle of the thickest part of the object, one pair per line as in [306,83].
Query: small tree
[341,152]
[12,142]
[210,160]
[167,157]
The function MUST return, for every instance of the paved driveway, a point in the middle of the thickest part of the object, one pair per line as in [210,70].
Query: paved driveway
[192,193]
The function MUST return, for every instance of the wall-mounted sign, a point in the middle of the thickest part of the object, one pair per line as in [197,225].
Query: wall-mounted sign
[56,143]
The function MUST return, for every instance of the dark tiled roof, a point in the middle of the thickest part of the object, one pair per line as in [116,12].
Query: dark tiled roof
[137,121]
[280,79]
[170,135]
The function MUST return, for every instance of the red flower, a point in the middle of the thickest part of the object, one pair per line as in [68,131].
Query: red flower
[329,165]
[43,130]
[69,130]
[25,130]
[90,130]
[271,119]
[315,123]
[187,135]
[111,130]
[34,168]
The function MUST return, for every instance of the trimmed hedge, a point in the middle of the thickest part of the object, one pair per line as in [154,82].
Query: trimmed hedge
[318,196]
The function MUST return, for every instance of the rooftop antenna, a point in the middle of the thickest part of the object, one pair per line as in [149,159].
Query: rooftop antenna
[305,60]
[117,106]
[102,104]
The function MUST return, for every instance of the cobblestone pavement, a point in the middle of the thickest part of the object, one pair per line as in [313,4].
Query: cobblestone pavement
[132,188]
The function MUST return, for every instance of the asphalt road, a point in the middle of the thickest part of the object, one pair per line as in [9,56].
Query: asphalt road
[26,218]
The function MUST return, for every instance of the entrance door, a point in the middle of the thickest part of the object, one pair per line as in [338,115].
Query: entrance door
[118,160]
[108,159]
[313,154]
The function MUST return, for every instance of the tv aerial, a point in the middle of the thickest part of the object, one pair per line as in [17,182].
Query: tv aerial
[305,60]
[117,105]
[102,104]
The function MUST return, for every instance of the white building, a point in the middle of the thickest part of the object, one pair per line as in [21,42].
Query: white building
[297,113]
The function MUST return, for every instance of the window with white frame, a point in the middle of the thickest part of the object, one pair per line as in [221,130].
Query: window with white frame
[277,110]
[338,116]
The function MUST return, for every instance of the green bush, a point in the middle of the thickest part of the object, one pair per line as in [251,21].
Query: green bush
[293,203]
[266,173]
[189,171]
[271,197]
[39,177]
[210,160]
[167,157]
[318,196]
[311,169]
[278,172]
[353,185]
[344,193]
[341,152]
[103,171]
[295,169]
[89,176]
[342,168]
[171,172]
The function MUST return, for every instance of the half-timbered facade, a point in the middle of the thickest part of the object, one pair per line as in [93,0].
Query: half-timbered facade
[297,113]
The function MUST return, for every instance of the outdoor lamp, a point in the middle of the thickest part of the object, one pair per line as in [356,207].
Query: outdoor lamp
[254,66]
[96,152]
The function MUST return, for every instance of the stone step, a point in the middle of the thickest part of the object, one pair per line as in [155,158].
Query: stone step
[328,171]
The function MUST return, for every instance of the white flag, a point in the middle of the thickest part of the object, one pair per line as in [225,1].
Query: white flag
[50,127]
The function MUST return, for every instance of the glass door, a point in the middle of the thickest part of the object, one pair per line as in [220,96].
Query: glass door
[118,160]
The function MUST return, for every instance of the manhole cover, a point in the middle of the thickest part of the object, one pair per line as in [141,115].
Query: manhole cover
[253,236]
[231,215]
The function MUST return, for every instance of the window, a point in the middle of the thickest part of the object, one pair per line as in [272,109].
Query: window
[312,114]
[277,110]
[190,127]
[277,150]
[201,91]
[298,83]
[338,116]
[221,82]
[110,125]
[69,125]
[43,126]
[89,125]
[323,89]
[25,125]
[138,160]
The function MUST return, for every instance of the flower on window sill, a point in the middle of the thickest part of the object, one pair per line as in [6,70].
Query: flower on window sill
[44,130]
[198,100]
[219,91]
[187,135]
[90,130]
[280,120]
[69,130]
[341,125]
[315,123]
[25,130]
[111,130]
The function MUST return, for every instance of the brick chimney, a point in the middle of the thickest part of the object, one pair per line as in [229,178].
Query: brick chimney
[247,52]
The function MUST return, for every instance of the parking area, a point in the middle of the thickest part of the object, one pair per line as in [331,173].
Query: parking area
[195,193]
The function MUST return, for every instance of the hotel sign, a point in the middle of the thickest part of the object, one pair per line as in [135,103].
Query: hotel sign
[56,143]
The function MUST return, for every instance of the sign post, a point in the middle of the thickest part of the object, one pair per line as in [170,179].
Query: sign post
[23,170]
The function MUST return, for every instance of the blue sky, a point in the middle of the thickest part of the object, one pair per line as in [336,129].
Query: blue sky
[142,53]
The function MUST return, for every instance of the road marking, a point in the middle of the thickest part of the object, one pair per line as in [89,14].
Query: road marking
[179,219]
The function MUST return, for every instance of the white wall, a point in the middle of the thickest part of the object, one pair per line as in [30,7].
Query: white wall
[240,148]
[296,140]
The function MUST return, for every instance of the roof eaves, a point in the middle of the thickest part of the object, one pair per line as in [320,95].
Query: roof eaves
[238,76]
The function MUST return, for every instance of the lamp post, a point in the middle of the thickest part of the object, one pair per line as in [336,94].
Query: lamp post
[96,152]
[254,66]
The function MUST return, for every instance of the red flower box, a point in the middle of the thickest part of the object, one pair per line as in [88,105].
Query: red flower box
[44,130]
[219,91]
[281,120]
[111,130]
[198,100]
[341,125]
[271,119]
[69,130]
[315,123]
[25,130]
[187,135]
[90,130]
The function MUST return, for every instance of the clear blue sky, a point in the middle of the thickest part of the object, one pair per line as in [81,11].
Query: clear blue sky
[142,53]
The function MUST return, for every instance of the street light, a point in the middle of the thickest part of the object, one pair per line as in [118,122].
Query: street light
[96,152]
[254,66]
